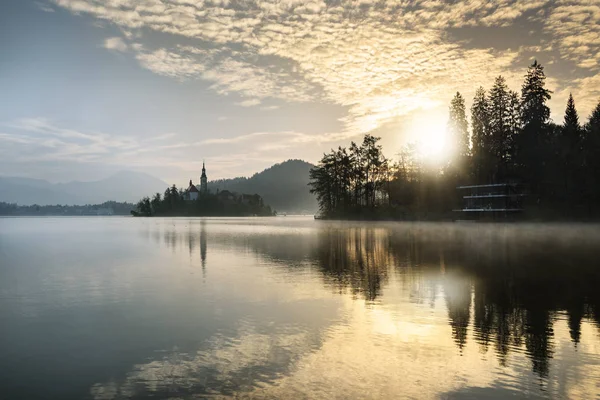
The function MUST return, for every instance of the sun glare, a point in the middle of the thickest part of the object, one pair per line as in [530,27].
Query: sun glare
[430,134]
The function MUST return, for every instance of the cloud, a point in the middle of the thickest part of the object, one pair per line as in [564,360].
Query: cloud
[169,64]
[249,103]
[44,7]
[41,140]
[575,27]
[381,60]
[115,43]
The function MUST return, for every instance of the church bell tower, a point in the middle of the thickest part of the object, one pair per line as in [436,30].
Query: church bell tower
[203,181]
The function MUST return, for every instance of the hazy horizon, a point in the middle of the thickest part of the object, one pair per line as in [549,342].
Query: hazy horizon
[92,87]
[180,181]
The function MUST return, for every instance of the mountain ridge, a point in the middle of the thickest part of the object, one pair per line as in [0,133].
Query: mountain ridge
[125,186]
[283,186]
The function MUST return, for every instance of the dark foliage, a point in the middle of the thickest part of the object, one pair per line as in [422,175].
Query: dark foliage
[223,203]
[106,208]
[512,140]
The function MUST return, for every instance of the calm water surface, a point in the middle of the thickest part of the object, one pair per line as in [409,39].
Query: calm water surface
[105,308]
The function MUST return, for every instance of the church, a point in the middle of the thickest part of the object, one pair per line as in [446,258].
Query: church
[192,192]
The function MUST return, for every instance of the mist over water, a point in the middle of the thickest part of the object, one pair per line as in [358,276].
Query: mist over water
[289,307]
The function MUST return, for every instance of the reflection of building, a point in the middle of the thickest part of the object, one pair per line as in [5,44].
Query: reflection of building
[203,246]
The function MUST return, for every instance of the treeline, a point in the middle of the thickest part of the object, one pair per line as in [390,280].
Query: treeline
[106,208]
[510,139]
[224,203]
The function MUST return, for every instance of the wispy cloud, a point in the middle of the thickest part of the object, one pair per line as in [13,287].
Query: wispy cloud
[115,43]
[42,140]
[381,60]
[249,103]
[44,7]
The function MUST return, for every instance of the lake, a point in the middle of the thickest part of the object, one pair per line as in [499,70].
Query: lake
[290,307]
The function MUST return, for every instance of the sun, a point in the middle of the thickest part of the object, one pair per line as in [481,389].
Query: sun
[428,131]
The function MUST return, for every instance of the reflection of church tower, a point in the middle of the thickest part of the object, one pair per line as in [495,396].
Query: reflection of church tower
[203,181]
[203,247]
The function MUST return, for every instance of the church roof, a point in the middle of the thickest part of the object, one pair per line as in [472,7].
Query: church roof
[192,188]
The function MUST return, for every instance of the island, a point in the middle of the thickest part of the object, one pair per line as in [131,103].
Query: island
[199,201]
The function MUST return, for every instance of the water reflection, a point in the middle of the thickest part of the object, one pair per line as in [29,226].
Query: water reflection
[294,308]
[509,285]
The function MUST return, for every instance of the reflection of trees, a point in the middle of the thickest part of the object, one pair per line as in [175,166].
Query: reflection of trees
[458,300]
[521,284]
[356,258]
[516,282]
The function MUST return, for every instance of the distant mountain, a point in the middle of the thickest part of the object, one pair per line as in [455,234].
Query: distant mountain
[125,186]
[283,186]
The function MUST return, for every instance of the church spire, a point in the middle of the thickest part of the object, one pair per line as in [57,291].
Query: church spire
[203,180]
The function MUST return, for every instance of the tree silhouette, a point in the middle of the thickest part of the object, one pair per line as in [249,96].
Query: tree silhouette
[480,123]
[535,117]
[458,126]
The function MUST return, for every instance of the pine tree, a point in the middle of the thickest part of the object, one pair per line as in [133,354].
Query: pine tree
[532,147]
[571,124]
[592,159]
[458,126]
[571,156]
[515,124]
[534,96]
[499,126]
[593,125]
[480,125]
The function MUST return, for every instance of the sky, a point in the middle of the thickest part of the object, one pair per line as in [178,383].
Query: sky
[91,87]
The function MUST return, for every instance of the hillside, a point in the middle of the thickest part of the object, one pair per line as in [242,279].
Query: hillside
[125,186]
[283,186]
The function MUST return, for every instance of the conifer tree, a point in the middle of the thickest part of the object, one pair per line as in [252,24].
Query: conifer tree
[499,126]
[571,123]
[514,121]
[592,159]
[534,96]
[532,148]
[570,151]
[480,125]
[458,126]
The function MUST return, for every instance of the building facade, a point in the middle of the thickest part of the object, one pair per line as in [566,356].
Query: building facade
[191,193]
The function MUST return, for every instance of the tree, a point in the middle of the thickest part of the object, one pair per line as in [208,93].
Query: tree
[515,125]
[534,96]
[571,156]
[532,149]
[500,139]
[144,208]
[347,182]
[571,123]
[480,125]
[156,203]
[458,127]
[592,159]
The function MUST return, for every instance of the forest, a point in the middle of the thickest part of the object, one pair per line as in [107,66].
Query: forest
[220,204]
[509,138]
[106,208]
